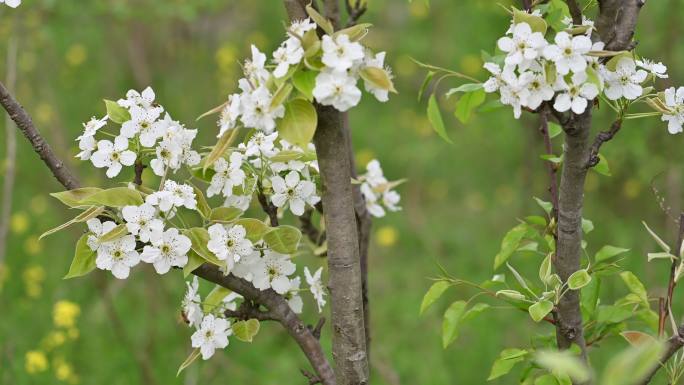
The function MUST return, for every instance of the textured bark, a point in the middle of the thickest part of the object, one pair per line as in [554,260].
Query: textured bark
[25,124]
[617,21]
[345,283]
[569,242]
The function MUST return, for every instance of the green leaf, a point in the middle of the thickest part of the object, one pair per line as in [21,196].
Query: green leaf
[612,314]
[246,330]
[283,239]
[468,103]
[435,118]
[225,214]
[84,259]
[509,244]
[474,311]
[281,95]
[114,197]
[202,205]
[90,213]
[556,13]
[116,113]
[546,206]
[546,379]
[299,123]
[322,22]
[426,83]
[188,361]
[220,149]
[663,245]
[563,363]
[602,166]
[214,298]
[661,255]
[635,286]
[512,294]
[254,227]
[468,87]
[199,238]
[608,252]
[355,32]
[540,309]
[452,318]
[536,23]
[378,77]
[116,233]
[194,261]
[506,361]
[554,130]
[304,82]
[631,365]
[286,156]
[545,269]
[72,198]
[579,279]
[434,292]
[587,226]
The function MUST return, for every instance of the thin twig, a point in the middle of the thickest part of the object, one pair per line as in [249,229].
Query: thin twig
[268,207]
[602,137]
[249,310]
[575,11]
[355,11]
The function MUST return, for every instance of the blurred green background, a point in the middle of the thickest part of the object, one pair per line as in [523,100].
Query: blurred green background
[459,201]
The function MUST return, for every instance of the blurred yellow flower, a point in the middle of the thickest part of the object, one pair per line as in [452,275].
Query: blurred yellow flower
[73,333]
[387,236]
[33,278]
[404,66]
[33,246]
[19,222]
[65,313]
[631,189]
[36,361]
[63,371]
[471,64]
[76,55]
[418,9]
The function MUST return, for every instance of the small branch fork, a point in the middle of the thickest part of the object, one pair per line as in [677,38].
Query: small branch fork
[278,308]
[355,11]
[268,207]
[601,138]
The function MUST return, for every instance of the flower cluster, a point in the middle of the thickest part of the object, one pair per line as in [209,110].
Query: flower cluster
[568,71]
[11,3]
[326,70]
[378,191]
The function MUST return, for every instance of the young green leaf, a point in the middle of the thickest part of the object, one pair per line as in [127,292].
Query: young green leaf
[608,252]
[468,87]
[72,198]
[188,361]
[116,233]
[468,103]
[663,245]
[254,227]
[506,361]
[450,324]
[225,214]
[114,197]
[579,279]
[116,113]
[436,290]
[214,298]
[635,286]
[540,309]
[304,82]
[199,238]
[246,330]
[435,118]
[378,77]
[194,261]
[283,239]
[90,213]
[299,123]
[84,259]
[602,166]
[509,244]
[564,363]
[319,19]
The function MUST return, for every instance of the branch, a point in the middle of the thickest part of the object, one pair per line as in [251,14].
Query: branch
[268,207]
[548,146]
[249,310]
[25,124]
[617,21]
[602,137]
[355,11]
[139,167]
[673,345]
[276,304]
[575,11]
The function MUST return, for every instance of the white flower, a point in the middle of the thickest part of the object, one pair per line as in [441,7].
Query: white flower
[228,175]
[229,114]
[377,61]
[316,286]
[272,271]
[336,89]
[143,122]
[164,200]
[625,81]
[134,98]
[142,221]
[228,243]
[113,156]
[674,100]
[254,68]
[241,202]
[390,199]
[94,124]
[540,91]
[257,111]
[294,191]
[118,256]
[261,144]
[372,201]
[292,296]
[11,3]
[339,53]
[169,249]
[245,267]
[290,53]
[376,190]
[299,27]
[175,149]
[228,302]
[569,52]
[515,92]
[98,229]
[575,94]
[523,47]
[212,334]
[658,70]
[192,311]
[495,81]
[87,144]
[183,195]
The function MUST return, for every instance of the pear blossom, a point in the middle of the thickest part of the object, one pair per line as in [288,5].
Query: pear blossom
[569,52]
[142,221]
[98,229]
[212,334]
[144,100]
[11,3]
[192,311]
[229,114]
[515,92]
[255,67]
[377,61]
[339,53]
[658,70]
[524,45]
[229,302]
[87,144]
[336,89]
[272,271]
[175,148]
[625,81]
[316,286]
[169,249]
[372,201]
[257,111]
[260,144]
[540,91]
[118,256]
[290,53]
[575,94]
[299,27]
[496,81]
[113,156]
[228,175]
[229,243]
[245,267]
[674,100]
[294,191]
[164,200]
[183,195]
[292,296]
[241,202]
[144,123]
